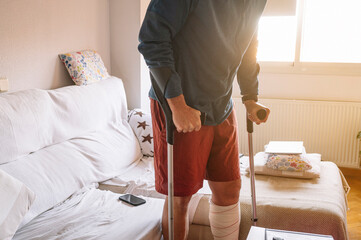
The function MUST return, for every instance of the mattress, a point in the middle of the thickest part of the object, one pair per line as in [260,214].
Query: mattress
[96,214]
[316,205]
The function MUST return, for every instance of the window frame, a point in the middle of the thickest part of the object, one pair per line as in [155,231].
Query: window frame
[313,68]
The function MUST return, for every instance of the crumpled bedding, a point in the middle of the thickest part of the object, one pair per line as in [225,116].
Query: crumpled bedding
[139,180]
[315,205]
[94,214]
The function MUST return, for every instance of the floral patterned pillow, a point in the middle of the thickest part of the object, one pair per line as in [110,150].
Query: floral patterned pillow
[141,123]
[288,162]
[85,67]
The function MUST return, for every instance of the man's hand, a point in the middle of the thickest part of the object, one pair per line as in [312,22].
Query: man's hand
[252,108]
[185,118]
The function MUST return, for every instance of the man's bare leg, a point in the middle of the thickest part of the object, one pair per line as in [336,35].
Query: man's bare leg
[181,221]
[224,213]
[225,193]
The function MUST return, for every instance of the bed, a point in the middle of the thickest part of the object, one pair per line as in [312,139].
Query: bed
[316,205]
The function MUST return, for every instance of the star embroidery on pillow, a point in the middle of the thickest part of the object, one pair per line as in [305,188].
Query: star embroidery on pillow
[139,113]
[147,138]
[142,125]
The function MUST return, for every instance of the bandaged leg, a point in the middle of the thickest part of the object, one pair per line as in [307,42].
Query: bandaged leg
[225,221]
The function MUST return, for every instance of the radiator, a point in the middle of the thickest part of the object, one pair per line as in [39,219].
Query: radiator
[328,128]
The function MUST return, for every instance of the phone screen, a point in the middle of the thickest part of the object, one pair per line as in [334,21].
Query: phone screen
[131,199]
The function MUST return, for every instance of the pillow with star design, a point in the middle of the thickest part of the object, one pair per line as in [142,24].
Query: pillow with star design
[141,123]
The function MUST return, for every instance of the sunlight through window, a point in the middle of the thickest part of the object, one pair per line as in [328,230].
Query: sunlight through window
[332,31]
[277,38]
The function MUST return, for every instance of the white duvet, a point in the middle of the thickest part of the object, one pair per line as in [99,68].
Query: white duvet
[139,180]
[96,214]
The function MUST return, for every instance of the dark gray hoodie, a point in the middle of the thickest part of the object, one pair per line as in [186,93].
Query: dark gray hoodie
[205,43]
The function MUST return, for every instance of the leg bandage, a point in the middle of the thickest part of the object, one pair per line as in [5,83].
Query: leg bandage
[225,221]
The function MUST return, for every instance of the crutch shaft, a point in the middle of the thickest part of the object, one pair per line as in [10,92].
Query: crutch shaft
[170,192]
[251,169]
[261,114]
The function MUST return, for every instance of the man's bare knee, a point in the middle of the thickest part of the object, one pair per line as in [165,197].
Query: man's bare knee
[182,202]
[225,193]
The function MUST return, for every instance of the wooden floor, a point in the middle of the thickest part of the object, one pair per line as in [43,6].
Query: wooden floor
[353,177]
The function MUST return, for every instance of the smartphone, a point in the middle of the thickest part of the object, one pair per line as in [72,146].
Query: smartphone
[131,199]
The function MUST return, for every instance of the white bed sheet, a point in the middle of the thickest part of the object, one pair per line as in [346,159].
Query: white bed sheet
[96,214]
[139,180]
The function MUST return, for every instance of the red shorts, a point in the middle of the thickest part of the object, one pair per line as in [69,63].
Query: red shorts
[211,153]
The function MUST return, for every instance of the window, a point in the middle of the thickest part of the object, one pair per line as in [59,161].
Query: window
[311,34]
[332,31]
[277,31]
[277,39]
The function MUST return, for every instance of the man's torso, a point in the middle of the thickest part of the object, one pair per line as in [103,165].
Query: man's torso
[208,51]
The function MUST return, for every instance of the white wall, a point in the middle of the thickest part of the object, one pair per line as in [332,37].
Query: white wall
[145,77]
[308,87]
[126,17]
[311,87]
[33,33]
[125,58]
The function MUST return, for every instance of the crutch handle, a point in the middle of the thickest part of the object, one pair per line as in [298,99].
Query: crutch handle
[159,78]
[203,117]
[261,114]
[170,125]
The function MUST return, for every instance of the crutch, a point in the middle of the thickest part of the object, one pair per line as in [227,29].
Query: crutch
[261,114]
[159,78]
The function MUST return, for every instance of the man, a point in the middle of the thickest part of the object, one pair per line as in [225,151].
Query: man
[201,45]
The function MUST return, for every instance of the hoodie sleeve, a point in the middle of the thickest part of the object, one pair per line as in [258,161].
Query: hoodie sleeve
[163,20]
[247,75]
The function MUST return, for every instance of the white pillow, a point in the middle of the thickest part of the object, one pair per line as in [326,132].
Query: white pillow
[15,201]
[141,123]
